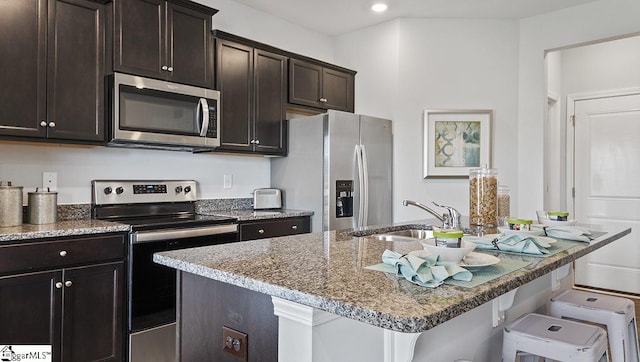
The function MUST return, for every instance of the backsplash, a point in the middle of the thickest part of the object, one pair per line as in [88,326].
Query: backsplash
[83,211]
[207,206]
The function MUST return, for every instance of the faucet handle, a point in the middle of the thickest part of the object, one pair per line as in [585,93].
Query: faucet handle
[453,219]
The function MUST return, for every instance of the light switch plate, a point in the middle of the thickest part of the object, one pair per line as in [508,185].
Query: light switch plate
[228,181]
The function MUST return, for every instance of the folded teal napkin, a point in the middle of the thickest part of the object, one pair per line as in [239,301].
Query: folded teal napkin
[422,270]
[569,233]
[516,243]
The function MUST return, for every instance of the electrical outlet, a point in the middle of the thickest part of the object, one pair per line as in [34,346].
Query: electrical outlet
[228,181]
[50,181]
[234,342]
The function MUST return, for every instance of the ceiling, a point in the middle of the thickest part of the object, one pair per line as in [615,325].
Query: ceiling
[335,17]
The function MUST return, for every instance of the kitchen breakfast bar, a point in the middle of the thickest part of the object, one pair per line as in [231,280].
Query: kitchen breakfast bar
[330,307]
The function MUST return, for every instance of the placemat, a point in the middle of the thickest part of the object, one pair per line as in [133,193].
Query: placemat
[483,275]
[480,275]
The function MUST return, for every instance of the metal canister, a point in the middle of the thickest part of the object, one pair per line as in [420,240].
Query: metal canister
[10,204]
[43,207]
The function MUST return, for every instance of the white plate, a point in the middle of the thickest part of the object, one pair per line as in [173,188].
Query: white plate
[478,260]
[546,239]
[534,231]
[549,222]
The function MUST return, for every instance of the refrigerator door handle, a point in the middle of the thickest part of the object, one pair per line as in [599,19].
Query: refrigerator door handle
[365,182]
[359,219]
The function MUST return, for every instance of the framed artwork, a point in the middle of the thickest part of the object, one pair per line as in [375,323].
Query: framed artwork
[455,141]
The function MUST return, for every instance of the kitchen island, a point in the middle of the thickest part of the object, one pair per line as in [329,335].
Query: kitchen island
[331,308]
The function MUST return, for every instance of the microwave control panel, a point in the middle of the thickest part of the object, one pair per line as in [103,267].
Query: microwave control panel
[212,132]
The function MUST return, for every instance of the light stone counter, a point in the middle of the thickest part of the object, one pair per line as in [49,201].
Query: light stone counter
[60,229]
[326,271]
[253,215]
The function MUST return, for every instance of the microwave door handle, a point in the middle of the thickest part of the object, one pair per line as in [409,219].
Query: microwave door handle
[204,106]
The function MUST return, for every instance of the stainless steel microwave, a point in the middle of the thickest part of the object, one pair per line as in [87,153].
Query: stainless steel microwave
[151,113]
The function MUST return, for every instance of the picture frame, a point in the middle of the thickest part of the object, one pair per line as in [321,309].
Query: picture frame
[456,141]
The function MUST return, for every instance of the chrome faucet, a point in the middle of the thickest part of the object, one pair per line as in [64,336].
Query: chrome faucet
[450,220]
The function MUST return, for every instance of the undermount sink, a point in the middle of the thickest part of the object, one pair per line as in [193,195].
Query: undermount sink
[405,235]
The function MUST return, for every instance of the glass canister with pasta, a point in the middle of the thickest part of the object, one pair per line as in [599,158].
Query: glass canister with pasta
[483,197]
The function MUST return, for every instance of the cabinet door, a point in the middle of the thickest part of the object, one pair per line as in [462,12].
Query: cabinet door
[93,313]
[76,68]
[188,51]
[139,37]
[270,100]
[23,26]
[305,83]
[27,305]
[234,80]
[337,90]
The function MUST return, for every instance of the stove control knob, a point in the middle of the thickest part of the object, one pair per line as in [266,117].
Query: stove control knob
[178,189]
[108,190]
[187,189]
[119,190]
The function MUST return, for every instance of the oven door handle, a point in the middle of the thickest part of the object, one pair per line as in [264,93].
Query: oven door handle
[166,234]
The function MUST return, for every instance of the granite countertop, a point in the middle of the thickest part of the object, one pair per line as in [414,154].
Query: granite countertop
[250,214]
[326,271]
[78,222]
[60,228]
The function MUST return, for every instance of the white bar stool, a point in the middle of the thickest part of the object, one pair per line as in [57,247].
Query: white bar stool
[617,313]
[554,338]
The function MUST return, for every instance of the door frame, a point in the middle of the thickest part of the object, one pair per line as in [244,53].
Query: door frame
[571,127]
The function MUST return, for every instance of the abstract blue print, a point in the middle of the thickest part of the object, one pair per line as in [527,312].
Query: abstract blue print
[457,143]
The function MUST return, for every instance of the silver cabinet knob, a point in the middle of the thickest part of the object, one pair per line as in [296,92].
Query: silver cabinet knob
[323,100]
[68,283]
[63,253]
[43,123]
[257,142]
[252,141]
[52,124]
[164,67]
[261,231]
[59,285]
[170,69]
[295,227]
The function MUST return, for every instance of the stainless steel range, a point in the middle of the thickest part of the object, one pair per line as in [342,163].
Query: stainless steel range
[162,217]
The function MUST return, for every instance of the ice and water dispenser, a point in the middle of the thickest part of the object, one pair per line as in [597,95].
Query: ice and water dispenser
[344,198]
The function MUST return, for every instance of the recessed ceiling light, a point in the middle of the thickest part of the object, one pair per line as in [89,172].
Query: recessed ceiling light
[379,7]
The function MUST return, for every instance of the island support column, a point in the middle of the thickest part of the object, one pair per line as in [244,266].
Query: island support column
[306,334]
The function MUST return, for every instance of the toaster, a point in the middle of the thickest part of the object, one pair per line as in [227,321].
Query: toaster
[267,199]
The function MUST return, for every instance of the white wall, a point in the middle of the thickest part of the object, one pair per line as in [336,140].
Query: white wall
[77,166]
[610,65]
[409,65]
[581,24]
[250,23]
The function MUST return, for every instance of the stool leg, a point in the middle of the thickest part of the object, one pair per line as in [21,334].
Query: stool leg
[509,351]
[634,353]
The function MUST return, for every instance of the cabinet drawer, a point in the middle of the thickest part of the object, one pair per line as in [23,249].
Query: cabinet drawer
[269,229]
[60,253]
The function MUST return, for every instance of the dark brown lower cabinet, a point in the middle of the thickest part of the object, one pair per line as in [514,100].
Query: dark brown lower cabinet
[251,230]
[78,311]
[76,307]
[206,306]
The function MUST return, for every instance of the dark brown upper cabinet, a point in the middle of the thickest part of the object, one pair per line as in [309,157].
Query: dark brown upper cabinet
[53,66]
[320,86]
[167,40]
[253,84]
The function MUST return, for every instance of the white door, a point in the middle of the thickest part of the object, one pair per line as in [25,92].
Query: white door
[607,187]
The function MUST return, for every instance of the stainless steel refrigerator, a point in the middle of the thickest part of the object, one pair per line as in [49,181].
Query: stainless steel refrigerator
[338,166]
